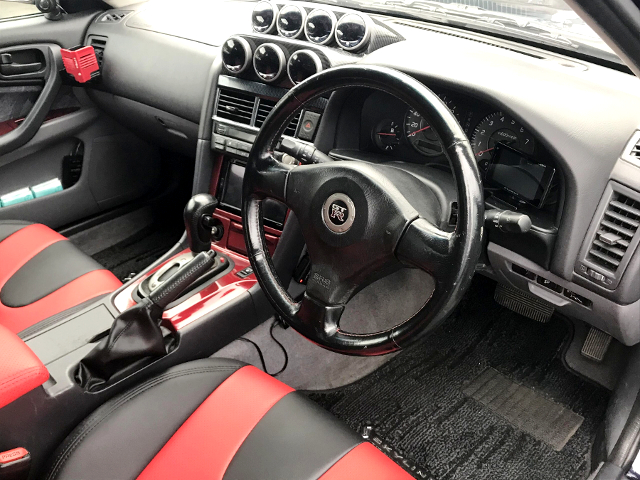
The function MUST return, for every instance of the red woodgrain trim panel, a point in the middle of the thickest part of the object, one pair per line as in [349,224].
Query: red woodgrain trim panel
[203,302]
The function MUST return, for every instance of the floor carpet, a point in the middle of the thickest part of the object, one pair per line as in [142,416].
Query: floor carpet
[140,250]
[420,407]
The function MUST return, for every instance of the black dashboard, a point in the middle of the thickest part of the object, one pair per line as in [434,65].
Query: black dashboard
[551,134]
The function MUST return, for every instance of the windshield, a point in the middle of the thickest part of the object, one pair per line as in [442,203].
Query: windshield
[547,22]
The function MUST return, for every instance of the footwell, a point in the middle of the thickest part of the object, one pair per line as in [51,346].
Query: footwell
[417,406]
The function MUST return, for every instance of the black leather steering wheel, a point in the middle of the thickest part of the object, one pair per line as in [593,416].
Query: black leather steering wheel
[363,221]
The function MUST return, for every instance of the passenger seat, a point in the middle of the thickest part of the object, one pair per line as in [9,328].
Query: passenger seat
[43,274]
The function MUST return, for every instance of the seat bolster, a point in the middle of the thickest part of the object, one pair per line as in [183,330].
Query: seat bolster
[20,369]
[9,227]
[43,274]
[121,437]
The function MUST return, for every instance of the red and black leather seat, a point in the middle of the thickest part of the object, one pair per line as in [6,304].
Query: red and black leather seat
[43,274]
[216,419]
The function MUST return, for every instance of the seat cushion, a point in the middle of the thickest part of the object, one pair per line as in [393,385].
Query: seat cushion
[43,274]
[216,419]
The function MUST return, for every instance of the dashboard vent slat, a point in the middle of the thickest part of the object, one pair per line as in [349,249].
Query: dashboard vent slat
[264,109]
[619,225]
[98,44]
[113,16]
[235,106]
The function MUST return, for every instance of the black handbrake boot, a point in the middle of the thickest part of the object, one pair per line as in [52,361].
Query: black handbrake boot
[135,335]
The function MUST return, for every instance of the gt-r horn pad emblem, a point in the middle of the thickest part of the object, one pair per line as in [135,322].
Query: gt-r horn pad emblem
[338,213]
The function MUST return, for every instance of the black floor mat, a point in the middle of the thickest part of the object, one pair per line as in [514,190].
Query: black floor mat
[139,251]
[416,404]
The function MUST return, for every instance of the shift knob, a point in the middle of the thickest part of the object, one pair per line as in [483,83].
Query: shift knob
[197,221]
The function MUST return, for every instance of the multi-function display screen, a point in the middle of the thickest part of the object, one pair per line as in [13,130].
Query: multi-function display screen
[510,170]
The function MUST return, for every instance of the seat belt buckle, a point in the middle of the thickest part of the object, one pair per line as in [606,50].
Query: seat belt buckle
[15,464]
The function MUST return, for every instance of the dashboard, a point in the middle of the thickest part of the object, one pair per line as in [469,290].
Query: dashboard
[553,136]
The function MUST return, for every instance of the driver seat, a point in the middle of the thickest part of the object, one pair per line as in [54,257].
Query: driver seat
[216,419]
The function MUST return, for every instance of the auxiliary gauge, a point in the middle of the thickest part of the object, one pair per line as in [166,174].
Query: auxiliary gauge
[386,135]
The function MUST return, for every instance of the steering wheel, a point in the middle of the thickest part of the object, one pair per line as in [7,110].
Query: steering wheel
[363,221]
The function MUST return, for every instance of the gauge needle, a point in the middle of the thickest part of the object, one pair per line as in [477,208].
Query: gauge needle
[418,131]
[484,151]
[388,134]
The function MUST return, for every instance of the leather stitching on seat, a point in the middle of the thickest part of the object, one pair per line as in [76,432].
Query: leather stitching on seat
[86,429]
[20,377]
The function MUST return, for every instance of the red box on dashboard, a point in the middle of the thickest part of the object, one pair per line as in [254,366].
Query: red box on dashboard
[81,62]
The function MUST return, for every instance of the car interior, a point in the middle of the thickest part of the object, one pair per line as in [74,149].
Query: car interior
[333,239]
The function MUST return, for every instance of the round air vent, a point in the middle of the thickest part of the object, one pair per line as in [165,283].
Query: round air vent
[236,54]
[302,64]
[291,20]
[320,26]
[352,32]
[263,17]
[269,61]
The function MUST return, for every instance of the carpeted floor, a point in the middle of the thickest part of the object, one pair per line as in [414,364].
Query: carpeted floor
[130,243]
[420,404]
[137,252]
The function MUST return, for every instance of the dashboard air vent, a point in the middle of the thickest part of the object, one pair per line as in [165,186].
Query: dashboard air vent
[235,106]
[264,109]
[98,44]
[114,16]
[617,229]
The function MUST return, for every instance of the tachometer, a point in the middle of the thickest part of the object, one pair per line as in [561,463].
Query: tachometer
[386,135]
[420,134]
[499,128]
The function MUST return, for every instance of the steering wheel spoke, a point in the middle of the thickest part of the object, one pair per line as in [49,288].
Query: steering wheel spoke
[427,247]
[270,178]
[318,319]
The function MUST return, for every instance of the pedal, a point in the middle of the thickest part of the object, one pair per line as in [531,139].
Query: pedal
[524,303]
[596,345]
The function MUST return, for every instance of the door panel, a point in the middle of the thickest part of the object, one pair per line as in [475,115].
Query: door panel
[50,129]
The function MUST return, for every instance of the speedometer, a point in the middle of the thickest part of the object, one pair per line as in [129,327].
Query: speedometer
[499,128]
[420,134]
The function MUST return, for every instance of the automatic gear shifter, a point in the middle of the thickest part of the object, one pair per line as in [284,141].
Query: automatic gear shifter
[201,228]
[199,222]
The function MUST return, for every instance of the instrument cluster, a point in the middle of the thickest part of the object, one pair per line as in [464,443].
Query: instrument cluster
[513,165]
[393,128]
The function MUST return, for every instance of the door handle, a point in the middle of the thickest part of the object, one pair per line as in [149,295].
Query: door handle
[19,68]
[9,67]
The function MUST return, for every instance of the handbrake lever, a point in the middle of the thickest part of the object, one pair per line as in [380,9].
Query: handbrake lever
[168,291]
[135,334]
